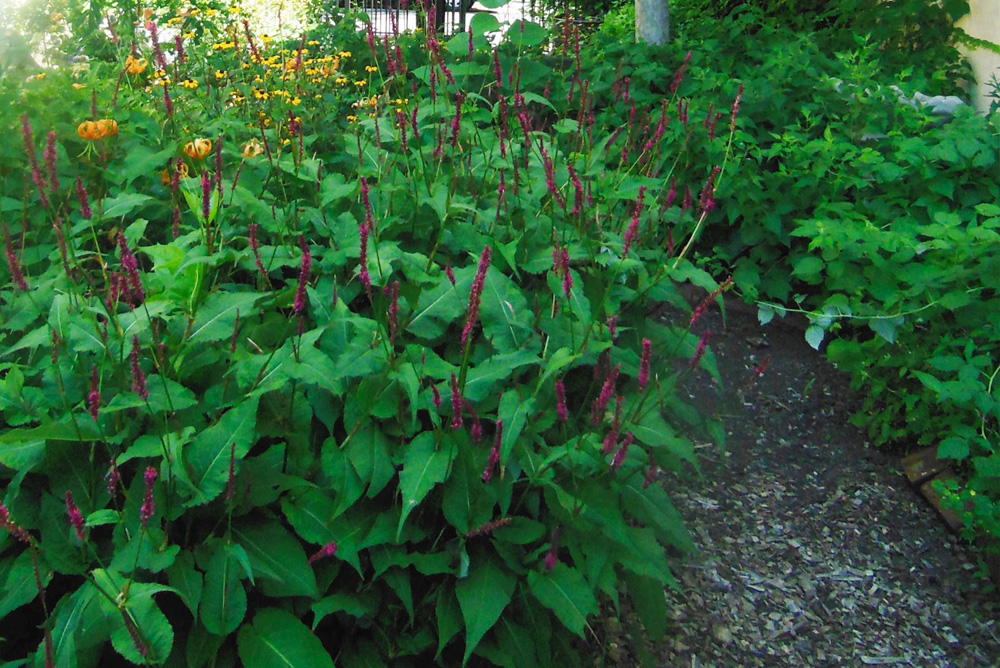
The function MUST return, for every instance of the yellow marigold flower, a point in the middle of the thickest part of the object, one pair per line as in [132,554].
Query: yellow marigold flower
[187,35]
[211,12]
[189,84]
[360,83]
[295,101]
[344,54]
[370,69]
[352,119]
[78,86]
[312,42]
[198,149]
[219,74]
[135,65]
[175,20]
[252,149]
[340,81]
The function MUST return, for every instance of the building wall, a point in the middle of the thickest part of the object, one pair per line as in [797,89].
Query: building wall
[983,22]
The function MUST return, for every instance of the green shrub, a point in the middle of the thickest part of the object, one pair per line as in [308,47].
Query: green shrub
[303,355]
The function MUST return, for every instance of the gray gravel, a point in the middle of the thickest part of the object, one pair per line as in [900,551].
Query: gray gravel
[813,548]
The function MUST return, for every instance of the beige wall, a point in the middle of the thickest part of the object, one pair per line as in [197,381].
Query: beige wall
[983,22]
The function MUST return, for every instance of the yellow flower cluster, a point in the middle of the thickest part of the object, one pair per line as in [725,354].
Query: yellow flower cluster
[94,130]
[224,46]
[189,84]
[252,149]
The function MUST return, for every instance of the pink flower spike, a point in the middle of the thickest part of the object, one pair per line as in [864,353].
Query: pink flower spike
[620,455]
[449,272]
[75,518]
[138,378]
[476,293]
[131,267]
[647,353]
[494,457]
[651,472]
[94,398]
[561,402]
[363,274]
[328,550]
[607,391]
[552,558]
[702,346]
[81,194]
[114,477]
[148,505]
[567,276]
[206,196]
[456,404]
[435,396]
[13,263]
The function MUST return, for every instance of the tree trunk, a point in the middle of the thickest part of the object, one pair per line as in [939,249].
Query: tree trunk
[652,21]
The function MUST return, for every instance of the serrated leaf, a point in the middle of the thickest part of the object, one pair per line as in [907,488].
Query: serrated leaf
[814,336]
[482,597]
[564,591]
[277,639]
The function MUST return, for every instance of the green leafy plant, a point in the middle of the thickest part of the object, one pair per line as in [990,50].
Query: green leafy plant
[333,351]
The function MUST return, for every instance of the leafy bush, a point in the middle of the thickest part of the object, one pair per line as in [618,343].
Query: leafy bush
[875,219]
[306,355]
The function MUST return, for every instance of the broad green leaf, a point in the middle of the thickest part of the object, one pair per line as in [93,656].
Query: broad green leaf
[208,456]
[656,432]
[277,557]
[277,639]
[423,468]
[650,603]
[526,33]
[484,22]
[19,586]
[354,604]
[482,597]
[223,601]
[216,317]
[152,626]
[482,378]
[448,616]
[653,507]
[504,312]
[188,582]
[565,592]
[116,207]
[368,452]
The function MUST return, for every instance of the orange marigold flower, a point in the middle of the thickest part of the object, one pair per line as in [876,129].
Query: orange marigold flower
[198,149]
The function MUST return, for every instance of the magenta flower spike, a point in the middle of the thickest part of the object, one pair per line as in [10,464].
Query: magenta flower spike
[363,258]
[435,396]
[393,315]
[456,404]
[131,267]
[328,550]
[138,378]
[114,477]
[620,455]
[647,353]
[702,346]
[494,457]
[561,402]
[552,558]
[206,196]
[11,527]
[736,109]
[475,294]
[75,517]
[679,74]
[81,194]
[607,391]
[13,263]
[94,398]
[148,505]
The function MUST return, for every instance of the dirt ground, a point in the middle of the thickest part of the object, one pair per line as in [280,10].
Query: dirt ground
[813,548]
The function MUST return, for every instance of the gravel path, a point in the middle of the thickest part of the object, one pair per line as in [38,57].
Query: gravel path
[813,549]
